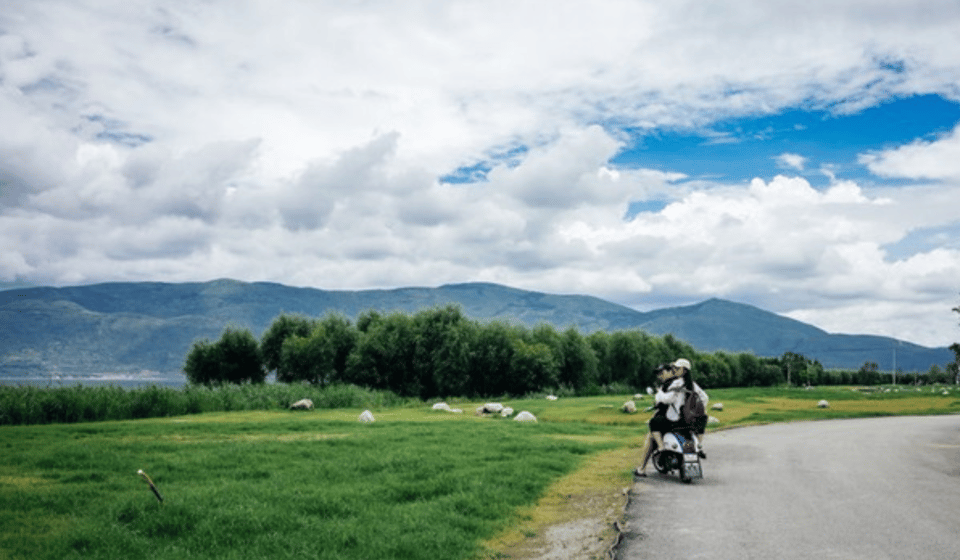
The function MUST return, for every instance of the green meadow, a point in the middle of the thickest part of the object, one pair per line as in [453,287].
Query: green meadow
[416,483]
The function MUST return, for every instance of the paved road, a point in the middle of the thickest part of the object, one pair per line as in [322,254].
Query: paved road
[869,488]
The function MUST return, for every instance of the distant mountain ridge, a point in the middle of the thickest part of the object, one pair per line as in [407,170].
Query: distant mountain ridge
[129,327]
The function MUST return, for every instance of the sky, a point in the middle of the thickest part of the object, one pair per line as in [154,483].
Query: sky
[802,156]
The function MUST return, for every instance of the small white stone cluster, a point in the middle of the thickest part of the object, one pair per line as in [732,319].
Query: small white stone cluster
[442,406]
[497,409]
[302,404]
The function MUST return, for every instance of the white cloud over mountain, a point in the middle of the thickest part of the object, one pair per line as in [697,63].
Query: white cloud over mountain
[307,142]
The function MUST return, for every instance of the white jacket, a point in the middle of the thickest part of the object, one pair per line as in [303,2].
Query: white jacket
[675,396]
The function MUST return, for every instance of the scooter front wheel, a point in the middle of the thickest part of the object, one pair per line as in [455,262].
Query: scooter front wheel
[659,462]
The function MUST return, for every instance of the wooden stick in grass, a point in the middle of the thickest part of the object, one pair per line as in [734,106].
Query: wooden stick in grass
[152,485]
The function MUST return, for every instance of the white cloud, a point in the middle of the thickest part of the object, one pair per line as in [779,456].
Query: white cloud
[939,159]
[791,161]
[303,142]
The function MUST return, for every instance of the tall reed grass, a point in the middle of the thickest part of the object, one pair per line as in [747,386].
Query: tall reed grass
[48,405]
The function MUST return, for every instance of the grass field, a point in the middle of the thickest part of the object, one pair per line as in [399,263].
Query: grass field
[415,484]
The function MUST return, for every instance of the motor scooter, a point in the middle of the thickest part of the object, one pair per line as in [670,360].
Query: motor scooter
[679,454]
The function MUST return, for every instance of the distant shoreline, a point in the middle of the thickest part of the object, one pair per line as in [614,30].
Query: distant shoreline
[126,382]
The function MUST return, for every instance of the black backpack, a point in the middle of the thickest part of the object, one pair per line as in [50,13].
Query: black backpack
[692,408]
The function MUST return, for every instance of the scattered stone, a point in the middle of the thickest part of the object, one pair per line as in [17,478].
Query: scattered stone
[525,417]
[366,417]
[637,396]
[442,406]
[823,404]
[629,407]
[713,420]
[302,404]
[551,397]
[717,406]
[507,412]
[492,407]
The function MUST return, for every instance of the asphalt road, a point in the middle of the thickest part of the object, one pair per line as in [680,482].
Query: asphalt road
[869,488]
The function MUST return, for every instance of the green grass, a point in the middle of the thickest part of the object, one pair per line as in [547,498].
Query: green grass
[318,484]
[275,485]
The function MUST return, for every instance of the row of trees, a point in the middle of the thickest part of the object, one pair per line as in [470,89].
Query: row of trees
[440,352]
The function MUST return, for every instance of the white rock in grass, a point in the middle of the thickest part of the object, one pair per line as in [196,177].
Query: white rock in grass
[506,412]
[713,420]
[366,417]
[525,417]
[823,404]
[442,406]
[629,407]
[302,404]
[717,406]
[492,407]
[551,397]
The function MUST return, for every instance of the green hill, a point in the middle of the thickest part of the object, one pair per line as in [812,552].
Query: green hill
[149,326]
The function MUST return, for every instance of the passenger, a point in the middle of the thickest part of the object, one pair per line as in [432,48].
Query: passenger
[699,426]
[659,423]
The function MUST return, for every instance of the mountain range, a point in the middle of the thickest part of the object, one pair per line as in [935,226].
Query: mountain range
[150,326]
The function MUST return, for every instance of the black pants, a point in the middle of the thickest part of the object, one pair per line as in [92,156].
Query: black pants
[663,425]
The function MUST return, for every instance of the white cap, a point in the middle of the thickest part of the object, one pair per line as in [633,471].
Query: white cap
[682,362]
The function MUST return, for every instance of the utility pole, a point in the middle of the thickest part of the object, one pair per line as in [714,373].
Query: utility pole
[894,372]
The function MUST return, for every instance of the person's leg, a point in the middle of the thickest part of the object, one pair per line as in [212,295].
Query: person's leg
[658,437]
[659,425]
[646,453]
[701,430]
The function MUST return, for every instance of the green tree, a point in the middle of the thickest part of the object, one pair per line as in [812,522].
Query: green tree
[271,343]
[240,357]
[368,319]
[307,358]
[578,366]
[442,345]
[794,367]
[624,357]
[235,358]
[341,338]
[491,360]
[384,356]
[600,343]
[534,368]
[751,373]
[202,366]
[868,374]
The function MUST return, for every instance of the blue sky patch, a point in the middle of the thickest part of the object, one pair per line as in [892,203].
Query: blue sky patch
[739,150]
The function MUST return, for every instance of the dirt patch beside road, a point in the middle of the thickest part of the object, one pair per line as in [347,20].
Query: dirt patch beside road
[580,516]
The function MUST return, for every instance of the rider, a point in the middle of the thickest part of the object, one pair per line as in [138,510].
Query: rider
[699,427]
[659,424]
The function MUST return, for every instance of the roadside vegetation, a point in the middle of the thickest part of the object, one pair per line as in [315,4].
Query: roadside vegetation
[417,483]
